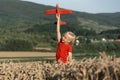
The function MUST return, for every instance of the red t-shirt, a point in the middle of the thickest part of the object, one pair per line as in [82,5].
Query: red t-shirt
[62,51]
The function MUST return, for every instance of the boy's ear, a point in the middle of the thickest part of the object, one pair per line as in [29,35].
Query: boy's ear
[69,41]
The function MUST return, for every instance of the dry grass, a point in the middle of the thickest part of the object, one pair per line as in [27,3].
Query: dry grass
[97,68]
[26,54]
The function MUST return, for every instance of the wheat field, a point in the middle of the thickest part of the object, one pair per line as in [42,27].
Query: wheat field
[98,68]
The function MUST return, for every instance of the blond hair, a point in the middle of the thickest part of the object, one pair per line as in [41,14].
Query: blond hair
[71,36]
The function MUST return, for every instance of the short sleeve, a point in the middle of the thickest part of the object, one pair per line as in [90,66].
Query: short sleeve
[70,49]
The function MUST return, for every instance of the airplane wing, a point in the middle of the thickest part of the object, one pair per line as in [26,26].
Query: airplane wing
[65,11]
[52,11]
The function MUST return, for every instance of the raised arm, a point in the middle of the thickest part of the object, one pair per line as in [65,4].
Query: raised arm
[58,27]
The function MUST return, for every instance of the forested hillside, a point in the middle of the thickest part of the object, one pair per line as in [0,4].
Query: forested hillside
[25,23]
[17,13]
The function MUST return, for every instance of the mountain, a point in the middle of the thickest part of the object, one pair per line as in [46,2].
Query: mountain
[22,15]
[24,26]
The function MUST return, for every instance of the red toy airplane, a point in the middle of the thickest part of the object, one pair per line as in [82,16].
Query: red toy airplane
[58,11]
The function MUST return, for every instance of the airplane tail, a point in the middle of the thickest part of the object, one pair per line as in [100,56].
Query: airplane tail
[61,23]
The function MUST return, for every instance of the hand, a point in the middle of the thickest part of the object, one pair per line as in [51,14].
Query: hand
[70,62]
[58,16]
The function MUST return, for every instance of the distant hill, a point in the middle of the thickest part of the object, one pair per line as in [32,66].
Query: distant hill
[24,26]
[21,15]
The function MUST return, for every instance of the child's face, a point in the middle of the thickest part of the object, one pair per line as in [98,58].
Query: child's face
[65,38]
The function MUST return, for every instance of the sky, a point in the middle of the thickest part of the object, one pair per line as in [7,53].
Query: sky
[90,6]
